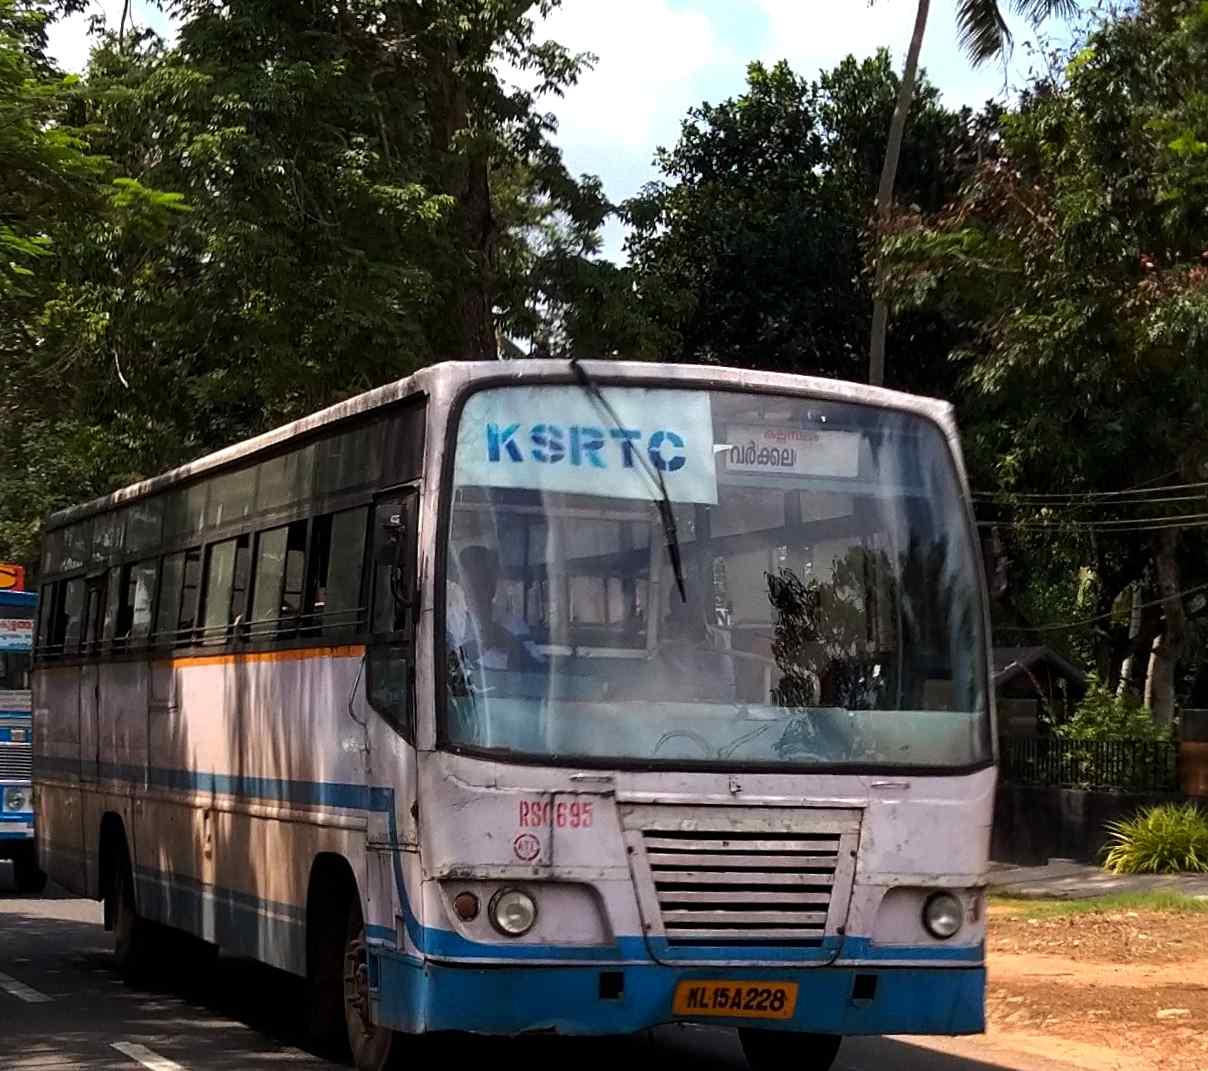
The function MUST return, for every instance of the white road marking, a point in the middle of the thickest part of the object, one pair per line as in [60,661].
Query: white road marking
[146,1057]
[23,991]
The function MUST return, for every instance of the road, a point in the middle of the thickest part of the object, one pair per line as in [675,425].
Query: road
[63,1008]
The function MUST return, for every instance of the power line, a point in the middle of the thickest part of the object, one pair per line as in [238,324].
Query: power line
[1075,505]
[1134,492]
[1101,617]
[1139,524]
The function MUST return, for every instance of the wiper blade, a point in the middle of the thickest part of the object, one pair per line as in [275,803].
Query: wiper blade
[655,476]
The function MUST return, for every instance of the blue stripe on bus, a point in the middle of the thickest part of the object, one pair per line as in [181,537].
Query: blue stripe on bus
[446,944]
[515,1000]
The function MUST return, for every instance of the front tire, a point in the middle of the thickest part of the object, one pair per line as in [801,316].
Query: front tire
[371,1045]
[776,1050]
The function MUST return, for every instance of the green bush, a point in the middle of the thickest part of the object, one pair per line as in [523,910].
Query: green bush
[1171,838]
[1102,715]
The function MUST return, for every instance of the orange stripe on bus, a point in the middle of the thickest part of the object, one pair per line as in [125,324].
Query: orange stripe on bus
[355,650]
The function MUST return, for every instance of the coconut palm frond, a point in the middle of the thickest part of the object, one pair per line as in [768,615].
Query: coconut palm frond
[982,29]
[1036,11]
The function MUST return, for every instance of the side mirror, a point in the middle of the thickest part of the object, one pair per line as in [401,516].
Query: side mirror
[395,532]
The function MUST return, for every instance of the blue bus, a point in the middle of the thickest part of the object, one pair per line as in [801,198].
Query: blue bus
[17,612]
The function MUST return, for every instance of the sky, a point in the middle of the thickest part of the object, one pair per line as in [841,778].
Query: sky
[657,58]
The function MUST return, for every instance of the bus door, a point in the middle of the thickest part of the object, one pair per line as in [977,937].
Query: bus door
[393,603]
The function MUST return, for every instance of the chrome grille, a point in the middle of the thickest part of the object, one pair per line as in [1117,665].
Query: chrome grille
[726,887]
[16,762]
[742,876]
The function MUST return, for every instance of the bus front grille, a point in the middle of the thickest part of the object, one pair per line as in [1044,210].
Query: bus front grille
[722,876]
[16,762]
[742,887]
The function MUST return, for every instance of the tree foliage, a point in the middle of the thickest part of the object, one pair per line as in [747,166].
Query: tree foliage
[291,204]
[751,249]
[1075,263]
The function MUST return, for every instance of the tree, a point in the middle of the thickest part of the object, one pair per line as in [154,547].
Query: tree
[1077,263]
[984,35]
[749,251]
[300,202]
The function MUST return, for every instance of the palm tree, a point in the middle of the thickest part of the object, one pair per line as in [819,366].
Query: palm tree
[983,35]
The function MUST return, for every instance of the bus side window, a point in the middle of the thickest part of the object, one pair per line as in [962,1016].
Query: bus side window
[189,595]
[219,582]
[277,594]
[333,588]
[94,611]
[168,614]
[137,597]
[113,599]
[66,639]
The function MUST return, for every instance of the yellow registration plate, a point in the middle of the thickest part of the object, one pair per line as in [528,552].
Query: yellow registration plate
[736,1000]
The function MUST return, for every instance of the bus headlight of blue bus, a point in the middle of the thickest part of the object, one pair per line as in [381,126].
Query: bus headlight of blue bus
[513,912]
[943,914]
[15,799]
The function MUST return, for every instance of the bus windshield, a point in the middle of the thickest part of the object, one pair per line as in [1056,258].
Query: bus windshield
[829,612]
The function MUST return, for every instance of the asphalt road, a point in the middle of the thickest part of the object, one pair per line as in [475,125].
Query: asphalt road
[63,1008]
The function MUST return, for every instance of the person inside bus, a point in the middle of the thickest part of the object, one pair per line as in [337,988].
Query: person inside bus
[486,633]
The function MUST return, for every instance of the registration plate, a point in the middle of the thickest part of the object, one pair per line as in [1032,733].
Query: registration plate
[741,1000]
[14,827]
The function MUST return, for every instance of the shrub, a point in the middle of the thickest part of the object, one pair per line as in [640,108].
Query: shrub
[1170,838]
[1103,715]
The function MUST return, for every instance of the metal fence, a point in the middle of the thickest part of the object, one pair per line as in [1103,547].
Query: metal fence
[1135,765]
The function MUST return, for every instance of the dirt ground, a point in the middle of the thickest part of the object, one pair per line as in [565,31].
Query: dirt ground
[1106,992]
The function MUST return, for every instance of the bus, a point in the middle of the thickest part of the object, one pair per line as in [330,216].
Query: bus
[17,612]
[542,696]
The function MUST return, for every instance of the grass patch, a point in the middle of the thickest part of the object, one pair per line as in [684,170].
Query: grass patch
[1163,902]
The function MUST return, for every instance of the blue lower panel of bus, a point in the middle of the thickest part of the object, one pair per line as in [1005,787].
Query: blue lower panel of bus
[430,996]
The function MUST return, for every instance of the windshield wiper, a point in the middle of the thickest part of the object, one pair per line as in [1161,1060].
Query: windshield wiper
[655,476]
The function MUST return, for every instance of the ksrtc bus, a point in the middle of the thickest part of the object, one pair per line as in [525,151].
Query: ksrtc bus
[17,613]
[542,696]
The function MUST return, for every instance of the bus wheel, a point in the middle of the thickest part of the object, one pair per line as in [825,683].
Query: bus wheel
[370,1043]
[774,1050]
[130,938]
[30,878]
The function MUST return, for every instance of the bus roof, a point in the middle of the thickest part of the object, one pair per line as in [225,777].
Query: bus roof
[18,598]
[445,378]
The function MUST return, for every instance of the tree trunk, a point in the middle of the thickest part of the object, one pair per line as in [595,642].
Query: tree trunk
[889,172]
[1168,647]
[466,177]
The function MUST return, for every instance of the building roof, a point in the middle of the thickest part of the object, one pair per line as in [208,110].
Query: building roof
[1010,662]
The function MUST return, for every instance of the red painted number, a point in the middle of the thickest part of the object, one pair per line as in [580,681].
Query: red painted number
[537,814]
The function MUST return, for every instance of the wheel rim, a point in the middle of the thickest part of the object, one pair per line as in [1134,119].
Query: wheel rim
[369,1042]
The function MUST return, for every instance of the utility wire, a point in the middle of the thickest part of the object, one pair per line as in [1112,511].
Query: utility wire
[1139,492]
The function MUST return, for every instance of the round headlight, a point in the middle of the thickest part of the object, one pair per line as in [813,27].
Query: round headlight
[942,915]
[513,912]
[14,799]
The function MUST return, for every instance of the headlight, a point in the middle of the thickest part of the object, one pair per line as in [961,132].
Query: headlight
[943,914]
[15,799]
[513,912]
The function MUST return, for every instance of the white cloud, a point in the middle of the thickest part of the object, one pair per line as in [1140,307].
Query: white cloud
[650,56]
[68,40]
[814,35]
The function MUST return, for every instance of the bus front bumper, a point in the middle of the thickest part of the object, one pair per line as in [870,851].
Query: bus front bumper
[418,996]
